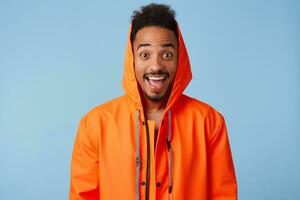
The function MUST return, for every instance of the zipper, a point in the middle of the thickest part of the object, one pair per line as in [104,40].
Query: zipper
[148,161]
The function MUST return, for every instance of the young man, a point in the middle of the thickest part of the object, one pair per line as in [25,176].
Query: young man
[153,142]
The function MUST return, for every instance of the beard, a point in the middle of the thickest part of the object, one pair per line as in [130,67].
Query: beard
[158,97]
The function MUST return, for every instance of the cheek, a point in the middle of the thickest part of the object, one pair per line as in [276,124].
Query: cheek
[139,67]
[173,68]
[138,70]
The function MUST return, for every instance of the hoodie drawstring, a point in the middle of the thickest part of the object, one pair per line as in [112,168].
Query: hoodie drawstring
[170,152]
[138,159]
[137,155]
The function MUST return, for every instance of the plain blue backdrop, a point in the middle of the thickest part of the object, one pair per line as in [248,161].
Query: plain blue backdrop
[59,59]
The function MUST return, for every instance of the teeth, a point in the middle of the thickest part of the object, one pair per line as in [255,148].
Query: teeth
[156,78]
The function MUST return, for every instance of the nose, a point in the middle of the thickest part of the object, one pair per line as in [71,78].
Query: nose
[156,63]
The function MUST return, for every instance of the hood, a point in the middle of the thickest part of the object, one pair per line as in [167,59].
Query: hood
[182,78]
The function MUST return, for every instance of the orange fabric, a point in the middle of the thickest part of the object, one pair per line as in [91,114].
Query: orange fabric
[104,164]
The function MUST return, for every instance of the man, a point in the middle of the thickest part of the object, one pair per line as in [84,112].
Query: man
[153,142]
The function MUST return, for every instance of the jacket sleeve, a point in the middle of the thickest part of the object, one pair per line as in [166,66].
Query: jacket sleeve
[85,162]
[222,179]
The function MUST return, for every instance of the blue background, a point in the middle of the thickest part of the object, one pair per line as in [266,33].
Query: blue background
[59,59]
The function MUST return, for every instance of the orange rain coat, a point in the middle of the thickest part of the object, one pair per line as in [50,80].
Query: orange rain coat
[114,156]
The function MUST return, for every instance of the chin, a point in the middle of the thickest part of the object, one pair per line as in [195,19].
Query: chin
[155,97]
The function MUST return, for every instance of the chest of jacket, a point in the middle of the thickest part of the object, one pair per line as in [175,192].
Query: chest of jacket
[184,170]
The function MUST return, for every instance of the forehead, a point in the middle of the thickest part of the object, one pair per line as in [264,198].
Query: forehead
[155,35]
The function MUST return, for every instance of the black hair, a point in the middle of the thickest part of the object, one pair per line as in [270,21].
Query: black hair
[153,15]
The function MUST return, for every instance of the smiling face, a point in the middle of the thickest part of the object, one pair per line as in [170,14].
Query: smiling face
[155,52]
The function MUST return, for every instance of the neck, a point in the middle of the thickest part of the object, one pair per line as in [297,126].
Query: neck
[153,111]
[152,106]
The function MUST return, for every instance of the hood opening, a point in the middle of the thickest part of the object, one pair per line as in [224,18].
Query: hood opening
[181,80]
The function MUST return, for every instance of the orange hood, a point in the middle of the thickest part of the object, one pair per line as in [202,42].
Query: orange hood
[182,78]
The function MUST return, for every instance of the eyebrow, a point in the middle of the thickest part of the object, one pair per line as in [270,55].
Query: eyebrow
[143,45]
[164,45]
[168,45]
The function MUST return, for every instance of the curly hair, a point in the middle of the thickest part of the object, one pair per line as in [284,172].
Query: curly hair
[153,15]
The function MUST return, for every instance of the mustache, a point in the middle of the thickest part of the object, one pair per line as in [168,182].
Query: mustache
[157,73]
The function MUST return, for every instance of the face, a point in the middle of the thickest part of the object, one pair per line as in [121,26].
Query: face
[155,52]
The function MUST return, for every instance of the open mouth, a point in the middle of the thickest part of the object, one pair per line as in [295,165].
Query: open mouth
[156,82]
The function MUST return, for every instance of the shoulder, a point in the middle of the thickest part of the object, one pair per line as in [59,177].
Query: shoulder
[107,109]
[198,107]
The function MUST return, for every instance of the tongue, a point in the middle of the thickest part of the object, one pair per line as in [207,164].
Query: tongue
[156,84]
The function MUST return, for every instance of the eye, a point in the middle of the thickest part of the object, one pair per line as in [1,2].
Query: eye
[167,55]
[144,56]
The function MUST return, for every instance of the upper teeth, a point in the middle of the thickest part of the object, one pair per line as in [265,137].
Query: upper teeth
[156,78]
